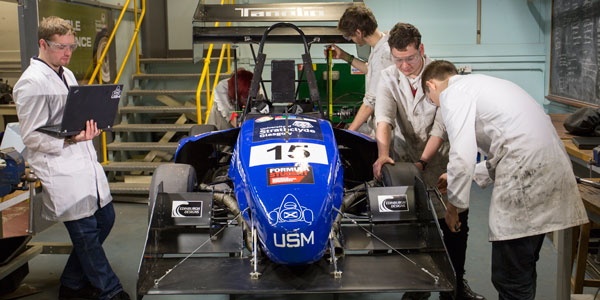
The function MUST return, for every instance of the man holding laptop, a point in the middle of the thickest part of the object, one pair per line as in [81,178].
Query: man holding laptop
[75,188]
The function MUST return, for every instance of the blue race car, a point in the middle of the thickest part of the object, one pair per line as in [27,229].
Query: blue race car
[286,204]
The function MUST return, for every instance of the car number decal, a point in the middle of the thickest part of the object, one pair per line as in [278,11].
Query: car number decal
[277,153]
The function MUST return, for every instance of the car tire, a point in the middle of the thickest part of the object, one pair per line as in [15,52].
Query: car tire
[399,174]
[175,178]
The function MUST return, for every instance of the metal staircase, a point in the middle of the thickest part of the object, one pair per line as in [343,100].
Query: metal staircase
[158,111]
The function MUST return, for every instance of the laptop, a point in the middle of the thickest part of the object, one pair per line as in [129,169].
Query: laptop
[98,102]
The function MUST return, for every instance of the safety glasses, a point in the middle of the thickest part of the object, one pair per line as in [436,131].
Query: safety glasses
[61,47]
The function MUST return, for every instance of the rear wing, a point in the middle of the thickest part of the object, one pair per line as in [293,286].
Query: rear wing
[266,14]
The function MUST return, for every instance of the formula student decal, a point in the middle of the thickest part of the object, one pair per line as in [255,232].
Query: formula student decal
[281,127]
[289,175]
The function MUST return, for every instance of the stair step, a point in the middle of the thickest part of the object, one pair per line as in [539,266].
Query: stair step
[153,127]
[118,146]
[129,188]
[160,92]
[131,166]
[175,76]
[158,109]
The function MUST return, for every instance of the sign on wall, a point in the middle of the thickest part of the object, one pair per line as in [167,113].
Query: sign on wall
[92,26]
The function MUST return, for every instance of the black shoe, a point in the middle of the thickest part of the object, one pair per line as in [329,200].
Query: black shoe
[464,292]
[416,296]
[120,296]
[88,292]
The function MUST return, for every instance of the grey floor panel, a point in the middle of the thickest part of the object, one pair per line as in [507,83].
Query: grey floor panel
[124,246]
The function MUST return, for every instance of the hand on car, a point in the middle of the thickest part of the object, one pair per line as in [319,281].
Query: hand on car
[451,217]
[336,53]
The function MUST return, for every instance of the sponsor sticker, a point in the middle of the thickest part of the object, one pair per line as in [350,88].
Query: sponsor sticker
[281,128]
[392,203]
[263,119]
[116,94]
[355,71]
[289,175]
[186,209]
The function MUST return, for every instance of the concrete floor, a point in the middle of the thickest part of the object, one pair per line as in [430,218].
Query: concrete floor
[124,247]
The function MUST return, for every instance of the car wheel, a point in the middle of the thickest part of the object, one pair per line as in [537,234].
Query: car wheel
[399,174]
[175,178]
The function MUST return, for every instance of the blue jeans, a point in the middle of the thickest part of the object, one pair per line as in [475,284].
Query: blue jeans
[87,262]
[513,267]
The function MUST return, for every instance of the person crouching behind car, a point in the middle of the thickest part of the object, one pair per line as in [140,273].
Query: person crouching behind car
[224,103]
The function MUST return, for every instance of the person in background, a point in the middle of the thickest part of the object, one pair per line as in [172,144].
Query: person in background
[75,188]
[359,25]
[535,191]
[407,117]
[224,105]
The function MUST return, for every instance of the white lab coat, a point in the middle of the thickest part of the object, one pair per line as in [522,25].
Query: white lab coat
[221,110]
[379,59]
[71,177]
[413,119]
[535,190]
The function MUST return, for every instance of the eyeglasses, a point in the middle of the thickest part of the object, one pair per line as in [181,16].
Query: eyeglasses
[348,37]
[61,47]
[409,60]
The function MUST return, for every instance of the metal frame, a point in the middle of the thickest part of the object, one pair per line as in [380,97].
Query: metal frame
[268,13]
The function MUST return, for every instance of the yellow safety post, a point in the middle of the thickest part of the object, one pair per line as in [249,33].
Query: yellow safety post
[137,44]
[330,83]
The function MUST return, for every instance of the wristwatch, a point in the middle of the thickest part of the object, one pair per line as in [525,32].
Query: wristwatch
[423,163]
[350,58]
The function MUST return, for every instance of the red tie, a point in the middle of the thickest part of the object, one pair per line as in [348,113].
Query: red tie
[413,90]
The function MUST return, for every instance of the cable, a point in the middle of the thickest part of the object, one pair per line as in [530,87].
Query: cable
[435,278]
[157,281]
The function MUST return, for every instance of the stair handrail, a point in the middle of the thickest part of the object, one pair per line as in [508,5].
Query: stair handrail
[209,102]
[206,76]
[110,39]
[134,39]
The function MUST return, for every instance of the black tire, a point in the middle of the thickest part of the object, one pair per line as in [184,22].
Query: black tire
[399,174]
[204,128]
[175,178]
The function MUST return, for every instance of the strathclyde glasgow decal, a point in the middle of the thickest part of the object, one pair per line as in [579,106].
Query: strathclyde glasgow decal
[392,203]
[290,175]
[282,127]
[186,209]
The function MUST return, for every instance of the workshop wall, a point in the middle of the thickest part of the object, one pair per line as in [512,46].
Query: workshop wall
[9,48]
[122,38]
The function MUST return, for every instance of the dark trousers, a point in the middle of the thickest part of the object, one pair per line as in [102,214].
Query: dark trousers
[456,244]
[513,267]
[88,262]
